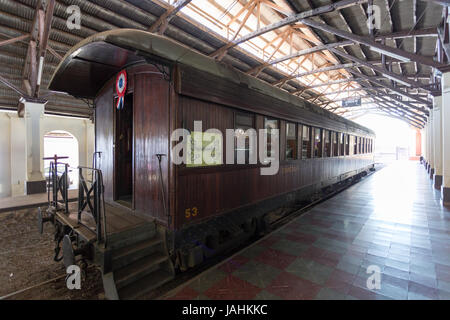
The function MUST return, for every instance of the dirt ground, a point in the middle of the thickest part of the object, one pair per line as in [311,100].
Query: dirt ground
[26,260]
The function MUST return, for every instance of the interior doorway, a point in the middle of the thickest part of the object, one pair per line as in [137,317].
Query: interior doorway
[124,152]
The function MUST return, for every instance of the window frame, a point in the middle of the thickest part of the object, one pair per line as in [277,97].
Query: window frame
[295,149]
[309,154]
[267,118]
[235,125]
[319,144]
[326,143]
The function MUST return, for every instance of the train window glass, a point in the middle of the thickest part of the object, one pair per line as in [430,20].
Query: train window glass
[335,141]
[291,141]
[365,145]
[355,145]
[342,144]
[357,140]
[269,125]
[306,142]
[242,123]
[347,145]
[327,143]
[361,145]
[317,143]
[351,143]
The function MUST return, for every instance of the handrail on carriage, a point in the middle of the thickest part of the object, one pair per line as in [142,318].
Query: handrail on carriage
[97,208]
[58,184]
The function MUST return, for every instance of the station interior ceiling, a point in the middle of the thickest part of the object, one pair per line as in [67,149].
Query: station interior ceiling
[388,53]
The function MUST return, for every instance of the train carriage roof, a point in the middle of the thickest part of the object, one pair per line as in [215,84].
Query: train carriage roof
[91,63]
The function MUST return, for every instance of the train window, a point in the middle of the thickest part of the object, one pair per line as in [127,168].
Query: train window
[291,141]
[317,143]
[342,144]
[306,142]
[243,122]
[347,144]
[335,141]
[360,145]
[363,145]
[269,125]
[355,145]
[327,143]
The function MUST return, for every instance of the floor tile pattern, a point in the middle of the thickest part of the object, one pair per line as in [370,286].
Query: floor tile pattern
[392,221]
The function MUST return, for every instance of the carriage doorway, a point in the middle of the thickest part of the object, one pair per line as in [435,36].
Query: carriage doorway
[124,153]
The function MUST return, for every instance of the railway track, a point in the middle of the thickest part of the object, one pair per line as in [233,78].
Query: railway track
[21,291]
[47,286]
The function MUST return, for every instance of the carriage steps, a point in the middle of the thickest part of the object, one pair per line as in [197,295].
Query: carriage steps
[140,263]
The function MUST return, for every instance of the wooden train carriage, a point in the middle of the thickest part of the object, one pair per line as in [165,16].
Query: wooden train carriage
[170,86]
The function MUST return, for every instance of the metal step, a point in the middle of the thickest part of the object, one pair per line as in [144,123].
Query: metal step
[136,251]
[138,269]
[145,285]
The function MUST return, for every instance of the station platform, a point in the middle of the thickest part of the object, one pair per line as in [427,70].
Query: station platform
[30,201]
[393,220]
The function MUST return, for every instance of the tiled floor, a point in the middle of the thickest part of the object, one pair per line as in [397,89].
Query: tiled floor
[392,220]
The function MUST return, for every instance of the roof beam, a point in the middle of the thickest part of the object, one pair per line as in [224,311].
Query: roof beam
[14,40]
[395,35]
[375,46]
[320,70]
[161,24]
[297,54]
[220,53]
[13,87]
[44,34]
[405,109]
[398,91]
[401,115]
[329,83]
[393,76]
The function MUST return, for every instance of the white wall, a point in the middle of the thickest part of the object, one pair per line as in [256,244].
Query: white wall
[5,155]
[82,130]
[13,144]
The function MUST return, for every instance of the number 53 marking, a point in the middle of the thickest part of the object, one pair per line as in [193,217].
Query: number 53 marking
[190,212]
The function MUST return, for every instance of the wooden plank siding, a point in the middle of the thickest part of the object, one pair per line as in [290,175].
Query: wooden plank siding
[218,189]
[161,106]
